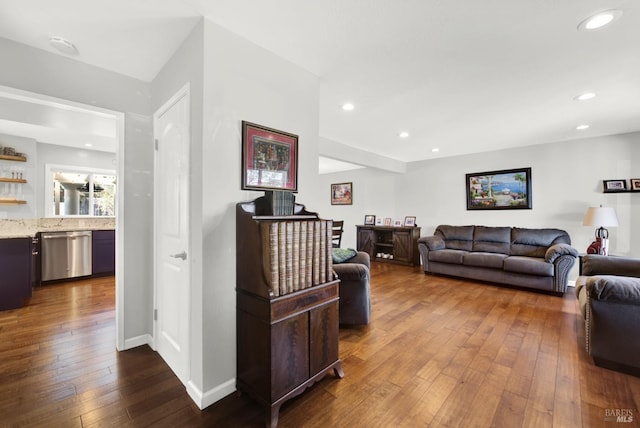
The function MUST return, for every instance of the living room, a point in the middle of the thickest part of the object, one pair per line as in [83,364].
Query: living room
[227,88]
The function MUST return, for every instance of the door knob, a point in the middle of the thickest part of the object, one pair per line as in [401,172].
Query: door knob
[182,255]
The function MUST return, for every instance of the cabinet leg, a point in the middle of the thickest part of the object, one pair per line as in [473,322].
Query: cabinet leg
[337,371]
[272,418]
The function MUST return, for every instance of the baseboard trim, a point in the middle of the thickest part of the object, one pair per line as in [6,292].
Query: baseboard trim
[134,342]
[204,400]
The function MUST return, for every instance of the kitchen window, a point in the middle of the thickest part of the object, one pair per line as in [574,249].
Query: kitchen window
[79,191]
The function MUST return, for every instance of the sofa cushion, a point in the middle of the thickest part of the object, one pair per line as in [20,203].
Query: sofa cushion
[528,265]
[490,260]
[492,239]
[535,242]
[447,256]
[456,237]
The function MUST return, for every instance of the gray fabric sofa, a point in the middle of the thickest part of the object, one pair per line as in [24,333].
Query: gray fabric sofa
[355,294]
[532,258]
[608,290]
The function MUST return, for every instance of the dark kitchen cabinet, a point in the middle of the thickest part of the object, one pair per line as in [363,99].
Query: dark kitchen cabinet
[103,261]
[16,277]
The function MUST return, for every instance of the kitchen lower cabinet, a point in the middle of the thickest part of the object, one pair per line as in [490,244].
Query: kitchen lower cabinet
[16,274]
[103,261]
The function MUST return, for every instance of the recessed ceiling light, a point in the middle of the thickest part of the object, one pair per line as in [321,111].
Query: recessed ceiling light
[403,134]
[63,45]
[584,97]
[600,20]
[348,106]
[435,150]
[88,145]
[581,127]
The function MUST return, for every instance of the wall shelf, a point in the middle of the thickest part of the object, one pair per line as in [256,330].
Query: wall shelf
[12,180]
[7,201]
[13,158]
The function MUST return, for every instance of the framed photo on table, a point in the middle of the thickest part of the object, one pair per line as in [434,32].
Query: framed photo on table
[369,219]
[635,184]
[410,221]
[269,158]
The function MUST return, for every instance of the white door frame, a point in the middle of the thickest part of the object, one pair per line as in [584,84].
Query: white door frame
[183,92]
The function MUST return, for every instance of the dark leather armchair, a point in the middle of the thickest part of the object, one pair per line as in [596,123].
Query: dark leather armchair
[355,297]
[609,293]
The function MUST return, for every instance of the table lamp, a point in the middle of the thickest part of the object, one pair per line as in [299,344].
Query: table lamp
[601,217]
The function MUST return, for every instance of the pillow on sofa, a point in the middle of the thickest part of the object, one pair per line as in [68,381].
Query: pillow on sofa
[341,255]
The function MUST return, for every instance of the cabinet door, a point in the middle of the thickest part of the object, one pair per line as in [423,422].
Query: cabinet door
[402,250]
[15,265]
[365,240]
[289,354]
[103,261]
[323,331]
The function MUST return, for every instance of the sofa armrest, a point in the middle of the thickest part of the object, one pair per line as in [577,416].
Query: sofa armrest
[351,272]
[612,288]
[557,250]
[361,258]
[593,264]
[432,242]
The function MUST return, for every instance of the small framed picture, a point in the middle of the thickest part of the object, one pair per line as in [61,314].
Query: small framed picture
[410,221]
[635,184]
[397,223]
[387,221]
[378,221]
[614,185]
[342,194]
[369,219]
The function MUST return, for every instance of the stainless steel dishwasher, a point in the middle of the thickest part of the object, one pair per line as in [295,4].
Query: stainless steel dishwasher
[65,254]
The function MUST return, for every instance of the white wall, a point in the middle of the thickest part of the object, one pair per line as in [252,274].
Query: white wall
[28,146]
[38,71]
[566,180]
[374,192]
[237,81]
[242,82]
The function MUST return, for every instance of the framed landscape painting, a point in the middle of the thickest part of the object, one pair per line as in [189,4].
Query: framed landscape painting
[507,189]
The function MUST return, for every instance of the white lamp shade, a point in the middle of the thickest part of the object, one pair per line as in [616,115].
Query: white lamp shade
[600,217]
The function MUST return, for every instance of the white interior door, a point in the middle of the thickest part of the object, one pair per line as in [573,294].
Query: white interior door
[172,262]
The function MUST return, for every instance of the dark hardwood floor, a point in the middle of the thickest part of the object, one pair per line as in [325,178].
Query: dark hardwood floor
[439,352]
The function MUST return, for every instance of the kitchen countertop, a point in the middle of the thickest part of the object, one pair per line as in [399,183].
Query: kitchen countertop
[28,228]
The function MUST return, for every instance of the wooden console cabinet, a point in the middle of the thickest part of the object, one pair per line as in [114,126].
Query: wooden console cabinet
[286,305]
[390,244]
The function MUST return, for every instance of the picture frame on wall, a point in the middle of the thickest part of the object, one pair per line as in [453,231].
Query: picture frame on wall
[635,184]
[507,189]
[612,186]
[342,194]
[269,158]
[369,219]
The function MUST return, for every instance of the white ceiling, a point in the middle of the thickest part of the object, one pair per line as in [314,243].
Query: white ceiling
[462,76]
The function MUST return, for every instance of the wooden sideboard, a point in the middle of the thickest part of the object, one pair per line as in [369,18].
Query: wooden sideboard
[286,305]
[390,244]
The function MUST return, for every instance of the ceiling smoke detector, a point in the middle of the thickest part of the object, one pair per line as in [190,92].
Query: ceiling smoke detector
[63,45]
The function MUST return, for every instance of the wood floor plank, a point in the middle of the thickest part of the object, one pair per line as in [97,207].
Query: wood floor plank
[438,352]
